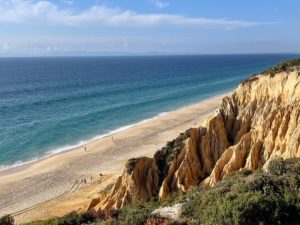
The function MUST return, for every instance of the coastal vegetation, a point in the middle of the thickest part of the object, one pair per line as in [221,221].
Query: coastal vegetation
[262,197]
[7,220]
[242,198]
[286,66]
[227,172]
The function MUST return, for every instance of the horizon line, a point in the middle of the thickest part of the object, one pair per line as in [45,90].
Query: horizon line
[144,54]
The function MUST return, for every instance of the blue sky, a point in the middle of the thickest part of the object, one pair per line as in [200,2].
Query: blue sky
[102,27]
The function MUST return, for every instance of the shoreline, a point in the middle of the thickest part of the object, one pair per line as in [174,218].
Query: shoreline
[41,185]
[4,170]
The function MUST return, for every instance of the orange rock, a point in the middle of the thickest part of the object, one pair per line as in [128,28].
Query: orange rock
[259,121]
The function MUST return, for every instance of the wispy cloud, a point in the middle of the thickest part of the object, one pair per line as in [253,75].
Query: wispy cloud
[160,4]
[46,12]
[86,45]
[68,2]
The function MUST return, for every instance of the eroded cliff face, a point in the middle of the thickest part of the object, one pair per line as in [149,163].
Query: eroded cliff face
[259,121]
[262,120]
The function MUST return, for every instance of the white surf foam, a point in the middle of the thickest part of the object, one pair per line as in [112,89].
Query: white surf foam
[79,144]
[84,142]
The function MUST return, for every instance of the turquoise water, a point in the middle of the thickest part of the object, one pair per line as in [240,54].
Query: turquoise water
[48,105]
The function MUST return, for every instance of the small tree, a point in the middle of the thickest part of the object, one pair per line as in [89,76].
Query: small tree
[7,220]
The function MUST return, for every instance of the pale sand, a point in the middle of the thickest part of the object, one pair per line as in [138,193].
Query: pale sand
[48,187]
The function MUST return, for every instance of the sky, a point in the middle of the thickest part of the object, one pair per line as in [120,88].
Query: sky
[130,27]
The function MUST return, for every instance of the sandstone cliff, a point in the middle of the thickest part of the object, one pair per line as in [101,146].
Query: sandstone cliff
[260,120]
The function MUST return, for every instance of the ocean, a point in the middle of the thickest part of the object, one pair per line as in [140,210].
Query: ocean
[49,105]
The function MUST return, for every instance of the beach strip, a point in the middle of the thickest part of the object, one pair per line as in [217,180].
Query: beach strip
[29,189]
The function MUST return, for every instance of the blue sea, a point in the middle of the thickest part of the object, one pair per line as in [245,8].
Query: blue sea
[49,105]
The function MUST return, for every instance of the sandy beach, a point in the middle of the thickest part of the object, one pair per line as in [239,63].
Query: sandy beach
[53,187]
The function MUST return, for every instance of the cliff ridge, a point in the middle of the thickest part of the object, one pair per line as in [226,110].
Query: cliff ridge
[258,122]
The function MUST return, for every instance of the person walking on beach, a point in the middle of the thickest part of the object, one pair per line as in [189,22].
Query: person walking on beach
[84,148]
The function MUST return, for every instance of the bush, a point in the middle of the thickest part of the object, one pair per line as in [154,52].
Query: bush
[70,219]
[242,209]
[250,79]
[277,167]
[136,213]
[287,66]
[130,165]
[257,199]
[53,221]
[177,223]
[7,220]
[280,167]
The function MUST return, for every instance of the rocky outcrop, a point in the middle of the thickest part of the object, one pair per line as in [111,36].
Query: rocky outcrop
[142,178]
[170,212]
[259,121]
[266,124]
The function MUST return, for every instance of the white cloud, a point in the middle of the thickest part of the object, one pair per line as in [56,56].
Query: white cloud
[160,4]
[46,12]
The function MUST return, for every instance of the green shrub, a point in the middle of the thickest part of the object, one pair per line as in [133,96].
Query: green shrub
[69,219]
[277,167]
[177,223]
[53,221]
[130,165]
[74,218]
[286,66]
[246,172]
[230,208]
[259,198]
[7,220]
[250,79]
[137,213]
[280,167]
